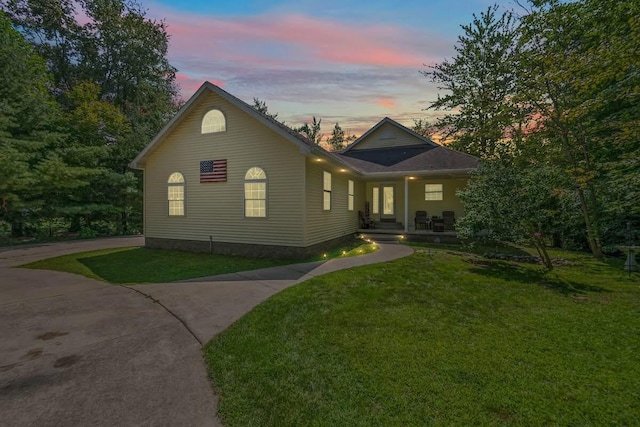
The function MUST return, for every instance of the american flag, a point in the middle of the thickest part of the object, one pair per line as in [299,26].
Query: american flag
[213,171]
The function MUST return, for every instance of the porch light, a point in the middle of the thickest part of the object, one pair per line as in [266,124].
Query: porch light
[343,170]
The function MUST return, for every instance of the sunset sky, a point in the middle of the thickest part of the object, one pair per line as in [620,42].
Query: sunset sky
[345,61]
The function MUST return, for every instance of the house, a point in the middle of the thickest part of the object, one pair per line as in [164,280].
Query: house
[221,177]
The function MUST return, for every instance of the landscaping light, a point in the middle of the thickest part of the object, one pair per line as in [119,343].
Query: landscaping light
[324,255]
[344,252]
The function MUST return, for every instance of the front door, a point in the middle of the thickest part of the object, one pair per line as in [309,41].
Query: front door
[388,208]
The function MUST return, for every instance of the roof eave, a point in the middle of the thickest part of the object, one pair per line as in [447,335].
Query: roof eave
[326,155]
[421,173]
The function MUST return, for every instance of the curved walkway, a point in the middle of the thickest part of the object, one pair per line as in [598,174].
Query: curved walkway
[76,351]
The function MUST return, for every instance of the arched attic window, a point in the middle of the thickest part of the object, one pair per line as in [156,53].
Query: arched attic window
[214,121]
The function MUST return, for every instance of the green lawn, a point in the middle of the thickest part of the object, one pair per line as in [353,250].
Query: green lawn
[438,339]
[141,265]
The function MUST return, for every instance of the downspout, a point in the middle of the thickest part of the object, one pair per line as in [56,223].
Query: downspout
[406,204]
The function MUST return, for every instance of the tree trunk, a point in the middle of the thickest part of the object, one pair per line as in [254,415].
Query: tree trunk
[538,242]
[592,236]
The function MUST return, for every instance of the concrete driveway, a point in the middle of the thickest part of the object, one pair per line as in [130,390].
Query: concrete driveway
[80,352]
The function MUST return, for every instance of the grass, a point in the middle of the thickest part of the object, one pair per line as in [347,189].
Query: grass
[444,338]
[141,265]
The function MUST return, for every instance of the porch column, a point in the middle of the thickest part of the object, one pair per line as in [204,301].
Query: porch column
[406,204]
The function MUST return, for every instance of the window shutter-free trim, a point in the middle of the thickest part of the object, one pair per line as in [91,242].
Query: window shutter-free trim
[255,193]
[326,193]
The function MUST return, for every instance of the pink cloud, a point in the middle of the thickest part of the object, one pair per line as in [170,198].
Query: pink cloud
[190,84]
[387,102]
[290,40]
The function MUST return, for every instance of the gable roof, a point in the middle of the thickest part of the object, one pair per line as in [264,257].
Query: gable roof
[423,159]
[306,146]
[434,161]
[403,128]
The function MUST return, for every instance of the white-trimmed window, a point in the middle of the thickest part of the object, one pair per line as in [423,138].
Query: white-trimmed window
[255,193]
[433,192]
[326,187]
[350,196]
[375,201]
[214,121]
[175,194]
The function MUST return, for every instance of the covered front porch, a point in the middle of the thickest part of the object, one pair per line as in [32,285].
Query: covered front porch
[414,204]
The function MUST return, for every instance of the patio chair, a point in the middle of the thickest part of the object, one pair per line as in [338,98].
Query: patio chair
[449,218]
[421,218]
[365,221]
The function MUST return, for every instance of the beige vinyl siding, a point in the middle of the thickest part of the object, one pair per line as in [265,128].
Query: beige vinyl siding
[217,209]
[417,202]
[387,136]
[450,201]
[321,225]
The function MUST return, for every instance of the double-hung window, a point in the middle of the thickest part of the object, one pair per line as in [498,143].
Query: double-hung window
[433,192]
[326,193]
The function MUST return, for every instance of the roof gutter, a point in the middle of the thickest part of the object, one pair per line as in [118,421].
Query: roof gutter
[420,173]
[320,152]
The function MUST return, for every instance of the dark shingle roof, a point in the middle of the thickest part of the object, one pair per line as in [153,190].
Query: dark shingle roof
[388,156]
[432,160]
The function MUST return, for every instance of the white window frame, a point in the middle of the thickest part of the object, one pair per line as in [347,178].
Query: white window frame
[175,194]
[375,201]
[433,192]
[350,195]
[214,121]
[255,181]
[326,191]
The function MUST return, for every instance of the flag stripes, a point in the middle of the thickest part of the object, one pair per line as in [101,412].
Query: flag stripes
[213,171]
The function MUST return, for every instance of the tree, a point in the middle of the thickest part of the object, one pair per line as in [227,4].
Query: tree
[515,207]
[567,101]
[337,139]
[117,48]
[580,76]
[423,127]
[479,82]
[311,132]
[262,108]
[97,130]
[31,169]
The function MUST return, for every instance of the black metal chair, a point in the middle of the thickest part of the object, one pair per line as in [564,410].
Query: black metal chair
[421,218]
[365,221]
[449,218]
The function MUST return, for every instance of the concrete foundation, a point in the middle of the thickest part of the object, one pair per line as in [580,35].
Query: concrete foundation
[244,249]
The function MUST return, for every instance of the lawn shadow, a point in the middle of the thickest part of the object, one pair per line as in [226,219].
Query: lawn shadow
[514,272]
